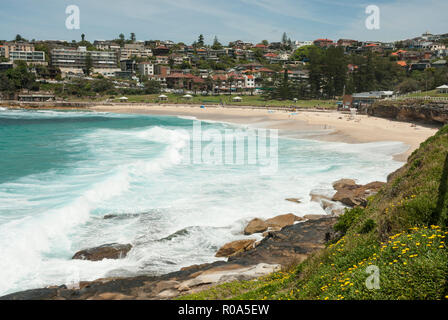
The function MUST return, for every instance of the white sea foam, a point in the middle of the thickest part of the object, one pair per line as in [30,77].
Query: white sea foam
[138,175]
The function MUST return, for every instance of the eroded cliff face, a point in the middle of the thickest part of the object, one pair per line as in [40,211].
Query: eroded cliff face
[423,111]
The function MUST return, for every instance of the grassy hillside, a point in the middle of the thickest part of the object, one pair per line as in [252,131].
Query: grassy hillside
[402,233]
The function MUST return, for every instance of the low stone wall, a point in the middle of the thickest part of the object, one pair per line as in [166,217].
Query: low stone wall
[422,111]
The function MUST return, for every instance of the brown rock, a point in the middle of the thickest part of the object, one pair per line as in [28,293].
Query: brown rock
[296,200]
[111,296]
[344,183]
[350,198]
[373,187]
[235,247]
[355,195]
[195,267]
[107,251]
[162,286]
[315,216]
[283,220]
[316,197]
[255,226]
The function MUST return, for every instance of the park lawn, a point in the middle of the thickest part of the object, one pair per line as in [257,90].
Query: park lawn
[225,99]
[431,93]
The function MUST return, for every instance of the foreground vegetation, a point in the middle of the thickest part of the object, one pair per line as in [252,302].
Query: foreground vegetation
[402,235]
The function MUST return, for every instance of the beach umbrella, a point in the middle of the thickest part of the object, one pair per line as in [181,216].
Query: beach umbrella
[237,99]
[163,97]
[123,98]
[188,96]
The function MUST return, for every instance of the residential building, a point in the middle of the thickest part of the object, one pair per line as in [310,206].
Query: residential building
[37,57]
[162,60]
[8,47]
[146,69]
[323,43]
[162,71]
[128,65]
[76,58]
[137,50]
[6,66]
[439,64]
[106,45]
[249,81]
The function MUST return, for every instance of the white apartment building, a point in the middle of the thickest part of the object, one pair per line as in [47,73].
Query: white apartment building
[28,56]
[249,81]
[146,69]
[135,50]
[70,58]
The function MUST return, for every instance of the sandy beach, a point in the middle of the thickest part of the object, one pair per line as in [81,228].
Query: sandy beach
[325,125]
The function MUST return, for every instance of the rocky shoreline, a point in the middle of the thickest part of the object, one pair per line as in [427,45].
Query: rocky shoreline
[410,110]
[288,239]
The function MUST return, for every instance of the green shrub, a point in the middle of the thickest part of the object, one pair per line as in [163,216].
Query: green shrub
[346,220]
[368,226]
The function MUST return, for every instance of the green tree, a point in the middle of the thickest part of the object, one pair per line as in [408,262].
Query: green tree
[216,44]
[133,37]
[200,42]
[88,65]
[19,38]
[152,87]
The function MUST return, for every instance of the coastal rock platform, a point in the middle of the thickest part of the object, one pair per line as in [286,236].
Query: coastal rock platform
[292,244]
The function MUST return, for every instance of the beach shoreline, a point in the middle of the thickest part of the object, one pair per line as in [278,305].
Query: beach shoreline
[331,126]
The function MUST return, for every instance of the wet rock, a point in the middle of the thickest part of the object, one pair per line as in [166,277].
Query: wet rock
[235,247]
[296,200]
[107,251]
[255,226]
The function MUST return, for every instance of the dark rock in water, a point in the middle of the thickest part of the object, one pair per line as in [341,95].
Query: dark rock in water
[296,200]
[181,233]
[107,251]
[121,216]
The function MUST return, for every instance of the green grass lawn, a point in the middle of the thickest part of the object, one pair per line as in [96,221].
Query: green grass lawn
[216,100]
[431,93]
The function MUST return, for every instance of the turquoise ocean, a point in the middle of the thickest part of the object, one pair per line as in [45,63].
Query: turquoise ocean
[62,172]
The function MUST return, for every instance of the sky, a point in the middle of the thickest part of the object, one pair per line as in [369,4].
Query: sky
[229,20]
